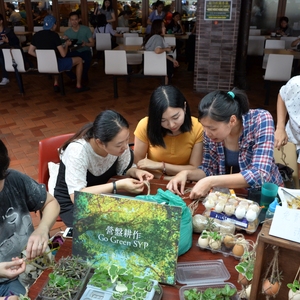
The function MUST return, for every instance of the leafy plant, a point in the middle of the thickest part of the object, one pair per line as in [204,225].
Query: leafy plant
[124,284]
[224,293]
[294,286]
[246,266]
[215,235]
[65,279]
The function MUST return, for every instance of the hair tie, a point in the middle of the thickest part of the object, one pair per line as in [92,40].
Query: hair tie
[231,94]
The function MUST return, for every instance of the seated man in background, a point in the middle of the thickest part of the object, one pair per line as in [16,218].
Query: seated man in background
[284,29]
[20,195]
[49,39]
[123,19]
[84,38]
[14,17]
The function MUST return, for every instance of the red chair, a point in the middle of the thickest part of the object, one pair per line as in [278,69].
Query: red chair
[48,152]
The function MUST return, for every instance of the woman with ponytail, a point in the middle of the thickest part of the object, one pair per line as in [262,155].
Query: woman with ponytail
[238,146]
[97,152]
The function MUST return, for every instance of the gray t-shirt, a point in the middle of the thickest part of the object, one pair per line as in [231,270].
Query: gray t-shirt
[156,41]
[20,195]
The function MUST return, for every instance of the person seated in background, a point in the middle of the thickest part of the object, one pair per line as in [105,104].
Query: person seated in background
[8,39]
[284,29]
[157,14]
[85,40]
[123,19]
[175,25]
[288,101]
[103,27]
[108,11]
[97,152]
[14,17]
[238,146]
[155,42]
[20,195]
[169,140]
[39,13]
[49,39]
[168,14]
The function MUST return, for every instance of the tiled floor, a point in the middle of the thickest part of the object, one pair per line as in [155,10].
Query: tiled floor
[41,113]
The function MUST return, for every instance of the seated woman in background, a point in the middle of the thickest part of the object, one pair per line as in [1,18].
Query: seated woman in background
[103,27]
[238,146]
[155,42]
[175,25]
[169,140]
[97,152]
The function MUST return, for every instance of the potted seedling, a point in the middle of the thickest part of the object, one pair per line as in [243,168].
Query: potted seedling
[120,284]
[203,239]
[67,279]
[215,240]
[294,292]
[221,293]
[245,267]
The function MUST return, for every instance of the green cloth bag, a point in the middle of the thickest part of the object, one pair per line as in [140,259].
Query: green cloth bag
[186,225]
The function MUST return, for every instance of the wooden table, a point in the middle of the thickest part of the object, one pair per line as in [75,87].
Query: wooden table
[283,51]
[194,254]
[23,33]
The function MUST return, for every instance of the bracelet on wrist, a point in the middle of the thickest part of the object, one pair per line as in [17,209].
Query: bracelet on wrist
[164,168]
[114,187]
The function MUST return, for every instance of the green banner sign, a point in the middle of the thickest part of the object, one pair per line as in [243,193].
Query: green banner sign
[217,10]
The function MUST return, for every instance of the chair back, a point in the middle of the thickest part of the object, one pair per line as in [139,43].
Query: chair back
[290,159]
[122,29]
[48,152]
[279,67]
[18,57]
[103,41]
[155,64]
[171,41]
[126,34]
[272,44]
[115,62]
[275,44]
[254,32]
[20,29]
[133,40]
[288,41]
[37,28]
[256,45]
[46,61]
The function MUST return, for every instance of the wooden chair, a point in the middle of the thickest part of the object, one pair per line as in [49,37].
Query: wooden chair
[47,63]
[48,152]
[288,156]
[116,65]
[279,68]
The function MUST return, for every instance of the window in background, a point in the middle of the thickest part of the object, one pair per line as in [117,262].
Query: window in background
[292,11]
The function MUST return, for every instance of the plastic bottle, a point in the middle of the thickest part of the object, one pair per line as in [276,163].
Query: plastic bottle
[271,209]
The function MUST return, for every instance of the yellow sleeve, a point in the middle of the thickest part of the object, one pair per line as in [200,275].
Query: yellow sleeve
[197,130]
[141,130]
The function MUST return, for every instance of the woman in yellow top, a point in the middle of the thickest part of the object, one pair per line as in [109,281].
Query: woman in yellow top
[169,140]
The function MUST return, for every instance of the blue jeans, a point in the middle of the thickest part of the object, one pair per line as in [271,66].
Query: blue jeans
[13,286]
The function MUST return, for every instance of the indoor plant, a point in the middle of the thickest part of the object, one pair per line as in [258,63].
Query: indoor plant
[120,284]
[294,292]
[67,279]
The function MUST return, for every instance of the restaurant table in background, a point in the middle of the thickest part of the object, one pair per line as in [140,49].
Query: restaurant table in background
[170,292]
[294,52]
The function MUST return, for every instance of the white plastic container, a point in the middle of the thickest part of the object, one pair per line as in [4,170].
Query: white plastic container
[202,275]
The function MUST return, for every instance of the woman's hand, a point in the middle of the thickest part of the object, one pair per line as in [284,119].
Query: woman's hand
[142,175]
[130,185]
[37,242]
[281,138]
[12,268]
[201,188]
[175,63]
[178,180]
[149,164]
